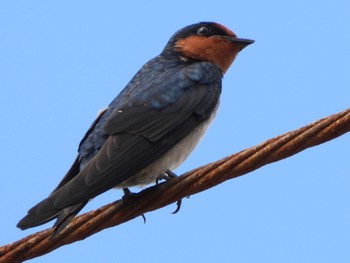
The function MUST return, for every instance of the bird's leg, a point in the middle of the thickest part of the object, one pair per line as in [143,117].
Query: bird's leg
[127,194]
[168,175]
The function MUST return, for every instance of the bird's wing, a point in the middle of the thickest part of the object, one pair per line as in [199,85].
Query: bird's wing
[75,168]
[139,133]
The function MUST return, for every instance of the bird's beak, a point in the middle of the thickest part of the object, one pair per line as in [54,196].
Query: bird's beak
[241,42]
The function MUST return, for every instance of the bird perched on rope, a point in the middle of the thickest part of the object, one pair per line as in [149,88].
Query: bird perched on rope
[151,126]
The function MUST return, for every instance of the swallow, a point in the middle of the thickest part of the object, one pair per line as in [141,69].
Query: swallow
[151,127]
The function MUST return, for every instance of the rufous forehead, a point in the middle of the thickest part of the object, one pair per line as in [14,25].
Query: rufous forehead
[225,29]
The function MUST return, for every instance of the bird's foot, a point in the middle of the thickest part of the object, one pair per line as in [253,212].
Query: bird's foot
[168,175]
[126,197]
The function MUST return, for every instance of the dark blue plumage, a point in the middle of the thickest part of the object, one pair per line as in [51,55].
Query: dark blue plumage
[151,126]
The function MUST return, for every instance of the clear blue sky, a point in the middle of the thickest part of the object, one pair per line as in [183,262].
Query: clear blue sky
[61,62]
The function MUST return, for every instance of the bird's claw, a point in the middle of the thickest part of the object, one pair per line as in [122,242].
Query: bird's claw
[168,175]
[126,196]
[178,206]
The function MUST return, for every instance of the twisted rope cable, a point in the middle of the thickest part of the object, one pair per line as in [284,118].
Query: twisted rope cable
[190,183]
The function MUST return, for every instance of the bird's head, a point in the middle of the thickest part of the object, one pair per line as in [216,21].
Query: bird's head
[207,41]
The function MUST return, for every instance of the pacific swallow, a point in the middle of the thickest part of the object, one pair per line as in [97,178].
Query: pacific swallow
[151,126]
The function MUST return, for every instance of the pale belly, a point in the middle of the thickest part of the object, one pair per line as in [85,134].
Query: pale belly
[171,159]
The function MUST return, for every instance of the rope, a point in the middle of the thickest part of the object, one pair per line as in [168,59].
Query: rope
[190,183]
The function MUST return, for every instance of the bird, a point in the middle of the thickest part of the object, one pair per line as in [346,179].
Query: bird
[152,125]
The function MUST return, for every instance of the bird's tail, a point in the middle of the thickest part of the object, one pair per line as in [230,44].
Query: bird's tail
[33,219]
[64,216]
[45,211]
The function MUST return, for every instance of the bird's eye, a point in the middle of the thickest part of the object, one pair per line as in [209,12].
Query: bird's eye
[203,30]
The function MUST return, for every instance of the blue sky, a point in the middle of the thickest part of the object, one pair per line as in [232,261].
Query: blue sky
[61,62]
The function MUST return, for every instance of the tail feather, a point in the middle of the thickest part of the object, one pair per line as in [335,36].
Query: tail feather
[36,219]
[45,211]
[65,216]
